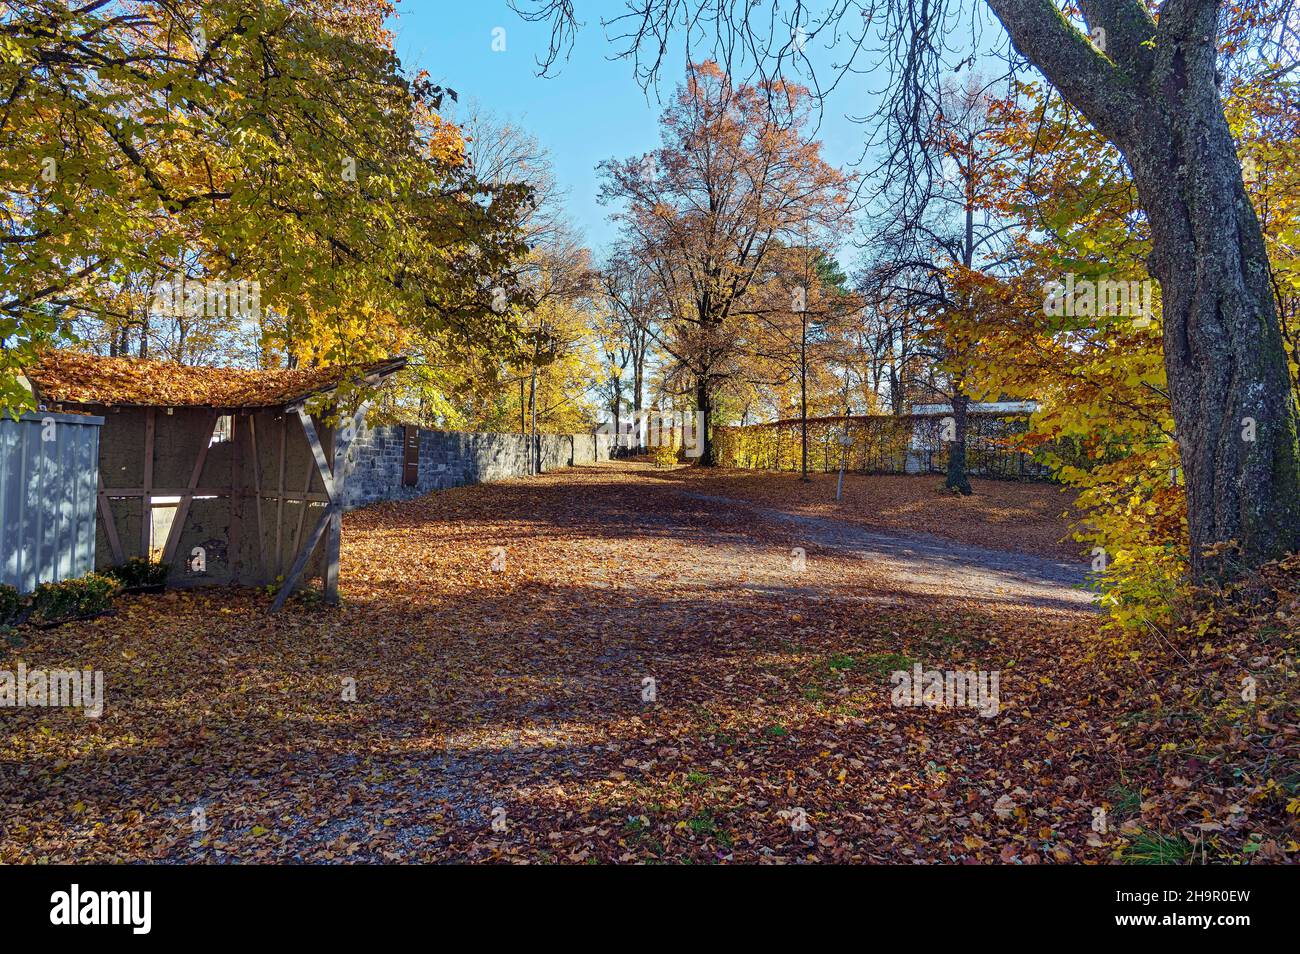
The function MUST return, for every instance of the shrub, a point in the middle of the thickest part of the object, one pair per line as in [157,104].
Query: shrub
[665,455]
[1135,517]
[70,599]
[11,604]
[139,571]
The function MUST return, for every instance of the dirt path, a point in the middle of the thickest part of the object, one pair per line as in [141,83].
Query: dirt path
[930,565]
[613,665]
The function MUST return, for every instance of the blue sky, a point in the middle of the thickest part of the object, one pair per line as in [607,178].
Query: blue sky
[591,111]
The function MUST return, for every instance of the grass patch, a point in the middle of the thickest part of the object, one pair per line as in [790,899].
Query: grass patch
[1125,802]
[705,825]
[1153,848]
[841,662]
[882,664]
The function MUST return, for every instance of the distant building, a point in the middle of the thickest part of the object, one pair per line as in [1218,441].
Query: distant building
[980,407]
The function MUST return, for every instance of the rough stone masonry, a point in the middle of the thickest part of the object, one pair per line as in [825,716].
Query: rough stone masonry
[454,459]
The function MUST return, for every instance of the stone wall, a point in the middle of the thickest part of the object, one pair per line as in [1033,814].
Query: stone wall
[454,459]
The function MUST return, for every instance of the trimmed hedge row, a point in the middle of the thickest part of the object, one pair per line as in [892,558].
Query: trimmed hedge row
[882,444]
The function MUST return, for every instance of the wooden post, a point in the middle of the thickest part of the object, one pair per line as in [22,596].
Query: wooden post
[146,524]
[279,505]
[106,514]
[235,537]
[299,563]
[334,536]
[330,524]
[183,508]
[342,441]
[257,489]
[302,510]
[313,441]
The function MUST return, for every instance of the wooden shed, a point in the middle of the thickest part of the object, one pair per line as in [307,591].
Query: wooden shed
[227,475]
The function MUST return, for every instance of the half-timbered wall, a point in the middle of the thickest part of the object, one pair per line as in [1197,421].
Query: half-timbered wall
[240,508]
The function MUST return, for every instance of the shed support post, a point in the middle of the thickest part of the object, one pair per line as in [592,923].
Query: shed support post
[330,524]
[146,521]
[106,517]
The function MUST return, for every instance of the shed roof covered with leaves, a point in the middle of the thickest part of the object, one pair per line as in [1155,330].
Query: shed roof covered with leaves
[76,377]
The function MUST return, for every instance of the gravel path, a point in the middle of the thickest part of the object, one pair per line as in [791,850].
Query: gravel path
[926,565]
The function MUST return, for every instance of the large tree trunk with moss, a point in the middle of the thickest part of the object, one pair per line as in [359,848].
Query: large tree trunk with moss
[1154,94]
[1233,405]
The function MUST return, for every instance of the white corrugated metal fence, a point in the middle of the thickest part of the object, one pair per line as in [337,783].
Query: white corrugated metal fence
[49,477]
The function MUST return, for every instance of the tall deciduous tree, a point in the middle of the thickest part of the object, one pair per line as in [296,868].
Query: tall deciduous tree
[276,143]
[794,317]
[1147,77]
[936,238]
[736,173]
[627,333]
[1154,93]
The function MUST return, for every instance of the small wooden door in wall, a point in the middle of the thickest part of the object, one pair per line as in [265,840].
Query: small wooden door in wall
[410,456]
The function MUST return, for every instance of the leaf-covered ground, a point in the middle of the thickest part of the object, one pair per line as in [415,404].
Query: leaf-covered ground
[499,639]
[1023,517]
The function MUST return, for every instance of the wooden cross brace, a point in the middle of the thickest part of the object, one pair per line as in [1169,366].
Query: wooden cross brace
[330,524]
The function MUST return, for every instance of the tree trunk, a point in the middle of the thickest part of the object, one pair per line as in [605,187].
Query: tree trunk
[1154,94]
[618,417]
[803,396]
[1234,409]
[957,477]
[958,480]
[704,408]
[534,453]
[896,374]
[638,377]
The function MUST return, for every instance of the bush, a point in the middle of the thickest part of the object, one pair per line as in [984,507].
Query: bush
[11,604]
[71,599]
[665,455]
[138,572]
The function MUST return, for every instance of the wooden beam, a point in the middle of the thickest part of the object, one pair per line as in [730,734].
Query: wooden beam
[302,511]
[333,544]
[300,563]
[110,527]
[342,441]
[279,507]
[125,492]
[183,508]
[235,531]
[257,490]
[331,521]
[293,496]
[146,525]
[313,441]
